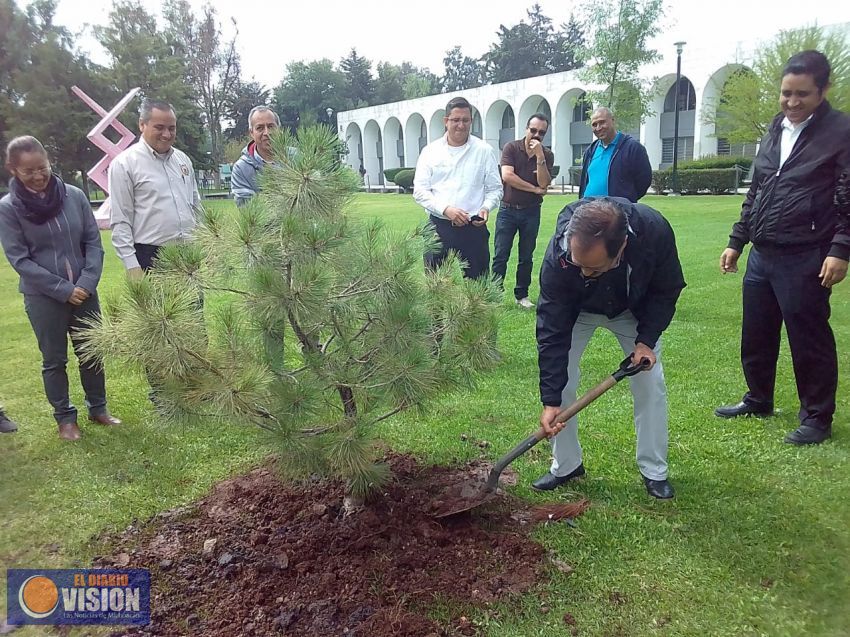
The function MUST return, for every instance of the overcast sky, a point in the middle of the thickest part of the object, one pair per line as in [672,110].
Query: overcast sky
[274,33]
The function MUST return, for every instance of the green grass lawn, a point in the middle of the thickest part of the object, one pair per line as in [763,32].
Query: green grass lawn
[757,541]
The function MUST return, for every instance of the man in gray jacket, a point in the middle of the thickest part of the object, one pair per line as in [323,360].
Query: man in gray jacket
[262,122]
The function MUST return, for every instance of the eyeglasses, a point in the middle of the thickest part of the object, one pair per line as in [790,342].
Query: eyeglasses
[535,131]
[459,120]
[44,170]
[594,272]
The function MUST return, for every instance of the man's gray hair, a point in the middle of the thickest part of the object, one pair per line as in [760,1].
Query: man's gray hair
[603,110]
[262,109]
[598,220]
[148,106]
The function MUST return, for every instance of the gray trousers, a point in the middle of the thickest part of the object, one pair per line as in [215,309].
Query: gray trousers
[52,323]
[648,390]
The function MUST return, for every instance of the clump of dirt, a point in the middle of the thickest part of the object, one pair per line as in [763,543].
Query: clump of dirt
[257,557]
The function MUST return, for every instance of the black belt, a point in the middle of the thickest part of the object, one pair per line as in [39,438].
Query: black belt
[516,207]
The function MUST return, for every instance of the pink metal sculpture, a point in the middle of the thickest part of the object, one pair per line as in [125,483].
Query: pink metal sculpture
[99,173]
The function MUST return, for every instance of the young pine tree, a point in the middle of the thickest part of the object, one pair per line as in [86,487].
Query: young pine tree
[312,325]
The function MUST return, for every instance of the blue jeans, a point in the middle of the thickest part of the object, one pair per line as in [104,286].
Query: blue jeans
[526,222]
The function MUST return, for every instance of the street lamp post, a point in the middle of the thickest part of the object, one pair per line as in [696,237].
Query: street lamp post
[679,47]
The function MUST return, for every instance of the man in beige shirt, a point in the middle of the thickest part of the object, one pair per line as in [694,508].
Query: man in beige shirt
[153,194]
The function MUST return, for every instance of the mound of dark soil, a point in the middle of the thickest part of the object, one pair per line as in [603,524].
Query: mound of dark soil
[257,557]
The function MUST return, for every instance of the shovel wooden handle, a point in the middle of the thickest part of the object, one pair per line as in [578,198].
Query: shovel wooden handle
[625,369]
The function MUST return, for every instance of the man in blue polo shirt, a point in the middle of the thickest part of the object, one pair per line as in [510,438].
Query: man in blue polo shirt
[616,164]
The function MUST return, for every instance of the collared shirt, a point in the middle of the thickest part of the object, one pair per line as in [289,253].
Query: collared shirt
[790,135]
[525,167]
[608,293]
[154,199]
[466,177]
[599,168]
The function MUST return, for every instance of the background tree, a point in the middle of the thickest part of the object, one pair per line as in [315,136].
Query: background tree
[516,54]
[533,47]
[420,83]
[359,85]
[573,44]
[620,31]
[750,98]
[16,37]
[307,90]
[461,71]
[403,82]
[246,95]
[213,65]
[36,95]
[324,326]
[140,55]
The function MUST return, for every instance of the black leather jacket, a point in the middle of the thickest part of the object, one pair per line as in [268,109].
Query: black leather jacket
[655,281]
[792,208]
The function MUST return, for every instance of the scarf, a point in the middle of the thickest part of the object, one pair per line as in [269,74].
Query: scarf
[36,209]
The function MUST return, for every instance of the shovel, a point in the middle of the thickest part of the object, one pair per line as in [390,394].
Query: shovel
[469,495]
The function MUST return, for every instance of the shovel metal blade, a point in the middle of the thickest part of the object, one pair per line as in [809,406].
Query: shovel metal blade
[461,498]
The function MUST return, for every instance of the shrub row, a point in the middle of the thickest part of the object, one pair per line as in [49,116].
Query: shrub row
[710,163]
[391,173]
[404,178]
[713,181]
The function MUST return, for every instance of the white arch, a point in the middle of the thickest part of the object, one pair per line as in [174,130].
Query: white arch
[436,128]
[652,126]
[393,144]
[493,125]
[707,138]
[414,141]
[477,126]
[354,142]
[532,105]
[373,153]
[561,126]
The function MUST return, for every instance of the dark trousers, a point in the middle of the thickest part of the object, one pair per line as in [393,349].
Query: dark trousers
[786,288]
[472,243]
[145,255]
[526,222]
[52,322]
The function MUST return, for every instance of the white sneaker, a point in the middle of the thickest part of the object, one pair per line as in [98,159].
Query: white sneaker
[525,304]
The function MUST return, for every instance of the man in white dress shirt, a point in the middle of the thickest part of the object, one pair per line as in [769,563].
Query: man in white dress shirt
[152,191]
[457,182]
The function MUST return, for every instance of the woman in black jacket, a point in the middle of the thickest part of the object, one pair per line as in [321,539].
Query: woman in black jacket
[800,233]
[50,237]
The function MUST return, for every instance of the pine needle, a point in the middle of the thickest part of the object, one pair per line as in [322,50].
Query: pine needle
[555,512]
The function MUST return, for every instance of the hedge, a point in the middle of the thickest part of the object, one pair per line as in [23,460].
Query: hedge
[710,163]
[404,178]
[391,173]
[716,182]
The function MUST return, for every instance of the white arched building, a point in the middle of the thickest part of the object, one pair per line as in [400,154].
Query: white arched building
[391,135]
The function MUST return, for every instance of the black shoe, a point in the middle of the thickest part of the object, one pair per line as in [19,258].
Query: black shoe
[549,481]
[6,426]
[661,489]
[743,408]
[808,435]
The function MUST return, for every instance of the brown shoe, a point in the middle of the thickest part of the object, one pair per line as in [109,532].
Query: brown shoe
[69,431]
[105,418]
